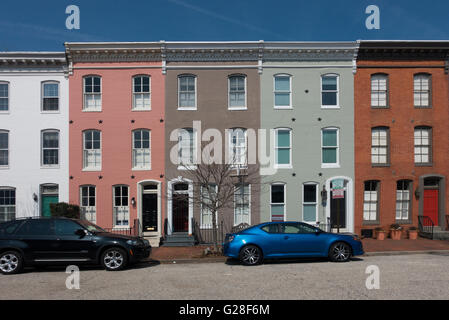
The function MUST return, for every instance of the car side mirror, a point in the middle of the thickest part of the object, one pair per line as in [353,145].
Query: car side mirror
[80,232]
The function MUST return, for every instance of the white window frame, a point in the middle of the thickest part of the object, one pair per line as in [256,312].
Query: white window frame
[134,94]
[386,147]
[421,77]
[239,163]
[276,147]
[370,201]
[330,165]
[203,209]
[196,91]
[89,168]
[43,83]
[245,106]
[402,201]
[428,146]
[310,203]
[134,150]
[88,211]
[337,92]
[8,97]
[115,208]
[285,199]
[187,166]
[290,78]
[4,208]
[85,94]
[8,150]
[43,132]
[249,202]
[377,77]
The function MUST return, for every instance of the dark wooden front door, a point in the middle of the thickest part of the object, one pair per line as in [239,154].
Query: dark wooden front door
[431,205]
[338,212]
[149,212]
[180,212]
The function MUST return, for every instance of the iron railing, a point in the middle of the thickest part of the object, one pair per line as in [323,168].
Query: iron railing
[426,225]
[206,235]
[447,222]
[134,230]
[327,227]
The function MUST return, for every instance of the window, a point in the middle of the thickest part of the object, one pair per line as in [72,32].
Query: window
[237,92]
[422,90]
[403,199]
[423,145]
[121,206]
[370,201]
[237,146]
[141,149]
[7,204]
[271,228]
[283,146]
[293,228]
[330,147]
[208,195]
[50,96]
[64,227]
[50,148]
[141,93]
[242,204]
[37,227]
[4,96]
[88,208]
[379,91]
[186,146]
[92,93]
[310,202]
[92,150]
[187,92]
[329,91]
[4,148]
[379,146]
[282,92]
[277,202]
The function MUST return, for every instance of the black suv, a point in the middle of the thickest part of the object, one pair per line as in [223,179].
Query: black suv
[53,241]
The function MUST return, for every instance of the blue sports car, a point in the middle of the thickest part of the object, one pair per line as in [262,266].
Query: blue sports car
[273,240]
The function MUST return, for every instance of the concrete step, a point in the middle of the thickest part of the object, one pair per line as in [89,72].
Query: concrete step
[437,235]
[179,240]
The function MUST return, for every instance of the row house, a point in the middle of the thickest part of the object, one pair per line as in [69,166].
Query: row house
[401,128]
[116,125]
[307,101]
[34,133]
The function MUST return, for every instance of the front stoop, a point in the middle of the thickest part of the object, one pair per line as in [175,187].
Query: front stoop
[181,239]
[438,234]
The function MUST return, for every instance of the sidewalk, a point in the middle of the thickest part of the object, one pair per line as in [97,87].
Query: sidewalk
[371,247]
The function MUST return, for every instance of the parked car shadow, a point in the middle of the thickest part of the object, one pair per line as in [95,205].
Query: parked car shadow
[62,268]
[234,262]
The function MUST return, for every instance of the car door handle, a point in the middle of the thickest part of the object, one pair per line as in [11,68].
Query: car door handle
[286,237]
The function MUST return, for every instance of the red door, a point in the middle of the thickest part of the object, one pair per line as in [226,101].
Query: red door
[431,204]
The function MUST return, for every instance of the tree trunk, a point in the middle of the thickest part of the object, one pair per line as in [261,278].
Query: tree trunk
[214,231]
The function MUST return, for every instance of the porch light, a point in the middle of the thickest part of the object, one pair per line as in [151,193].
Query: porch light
[133,201]
[35,197]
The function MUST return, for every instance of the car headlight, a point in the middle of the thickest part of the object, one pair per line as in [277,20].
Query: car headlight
[132,242]
[230,238]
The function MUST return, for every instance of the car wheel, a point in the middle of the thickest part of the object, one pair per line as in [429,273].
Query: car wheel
[340,252]
[11,262]
[114,259]
[251,255]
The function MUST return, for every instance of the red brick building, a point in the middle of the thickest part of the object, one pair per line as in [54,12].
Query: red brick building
[401,133]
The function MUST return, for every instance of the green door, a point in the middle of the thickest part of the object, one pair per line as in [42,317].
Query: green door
[46,200]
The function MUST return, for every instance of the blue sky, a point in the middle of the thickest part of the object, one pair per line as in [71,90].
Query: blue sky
[40,25]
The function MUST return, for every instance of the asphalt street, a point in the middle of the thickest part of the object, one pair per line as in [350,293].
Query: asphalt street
[419,276]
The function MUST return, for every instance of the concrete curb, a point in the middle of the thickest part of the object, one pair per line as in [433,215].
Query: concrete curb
[402,253]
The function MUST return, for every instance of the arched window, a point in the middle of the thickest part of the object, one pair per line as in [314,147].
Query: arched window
[282,91]
[50,148]
[92,93]
[237,92]
[141,92]
[187,92]
[329,91]
[50,96]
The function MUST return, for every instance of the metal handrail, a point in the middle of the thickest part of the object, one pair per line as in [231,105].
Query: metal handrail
[425,224]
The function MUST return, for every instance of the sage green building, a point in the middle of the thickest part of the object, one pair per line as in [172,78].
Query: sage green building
[307,103]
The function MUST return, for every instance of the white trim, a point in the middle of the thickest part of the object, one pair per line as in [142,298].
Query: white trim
[337,106]
[50,166]
[170,185]
[88,196]
[245,107]
[349,202]
[43,83]
[194,108]
[205,226]
[290,78]
[331,165]
[114,206]
[133,107]
[8,149]
[290,164]
[134,168]
[8,97]
[285,199]
[140,185]
[85,168]
[249,202]
[316,184]
[84,107]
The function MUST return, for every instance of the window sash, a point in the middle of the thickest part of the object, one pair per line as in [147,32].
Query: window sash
[186,143]
[277,206]
[329,91]
[282,91]
[237,147]
[370,201]
[283,147]
[423,145]
[421,94]
[187,92]
[50,148]
[4,148]
[379,146]
[4,96]
[403,201]
[242,204]
[379,91]
[50,97]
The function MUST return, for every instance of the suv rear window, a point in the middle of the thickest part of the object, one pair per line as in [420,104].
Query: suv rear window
[38,227]
[9,227]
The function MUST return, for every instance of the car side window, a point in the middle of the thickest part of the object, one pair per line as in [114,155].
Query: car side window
[10,227]
[66,227]
[290,228]
[38,227]
[304,228]
[271,228]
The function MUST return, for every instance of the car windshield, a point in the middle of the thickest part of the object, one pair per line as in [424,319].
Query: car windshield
[90,226]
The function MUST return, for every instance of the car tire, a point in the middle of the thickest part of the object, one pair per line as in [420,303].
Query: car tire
[340,252]
[11,262]
[251,255]
[114,259]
